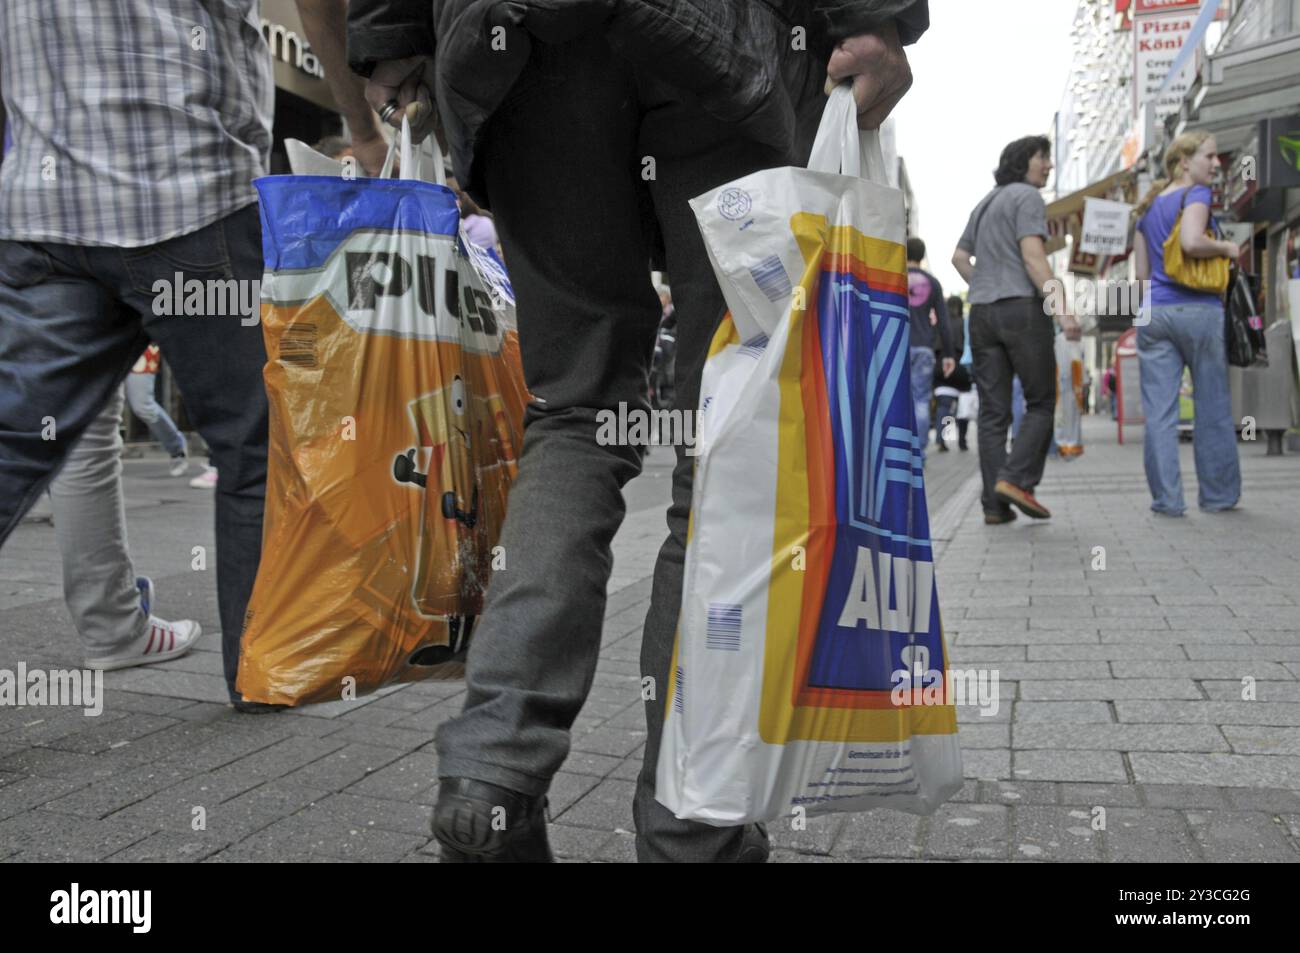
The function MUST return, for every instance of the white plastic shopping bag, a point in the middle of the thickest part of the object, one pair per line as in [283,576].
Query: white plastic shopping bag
[810,664]
[1069,396]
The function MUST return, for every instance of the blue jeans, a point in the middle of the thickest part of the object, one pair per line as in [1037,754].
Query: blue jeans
[1188,335]
[140,395]
[74,319]
[922,391]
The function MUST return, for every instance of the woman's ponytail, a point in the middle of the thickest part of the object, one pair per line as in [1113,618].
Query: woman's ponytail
[1145,204]
[1181,148]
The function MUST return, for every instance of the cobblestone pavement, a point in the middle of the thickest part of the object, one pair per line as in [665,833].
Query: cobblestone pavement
[1121,688]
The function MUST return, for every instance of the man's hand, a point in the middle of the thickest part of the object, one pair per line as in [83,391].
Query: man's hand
[1070,325]
[949,365]
[405,81]
[878,65]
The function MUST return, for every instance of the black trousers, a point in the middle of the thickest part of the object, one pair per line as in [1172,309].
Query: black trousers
[1009,338]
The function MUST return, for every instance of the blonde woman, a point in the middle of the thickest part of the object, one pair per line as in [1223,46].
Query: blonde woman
[1185,329]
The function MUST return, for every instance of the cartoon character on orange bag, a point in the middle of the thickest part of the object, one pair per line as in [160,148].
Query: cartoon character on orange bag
[471,462]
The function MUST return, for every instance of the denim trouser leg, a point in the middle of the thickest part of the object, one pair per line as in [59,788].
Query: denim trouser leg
[90,524]
[72,322]
[576,226]
[218,361]
[1160,364]
[922,391]
[1214,447]
[1188,335]
[65,345]
[140,395]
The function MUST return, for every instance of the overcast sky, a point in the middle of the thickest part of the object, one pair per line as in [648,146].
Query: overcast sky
[985,73]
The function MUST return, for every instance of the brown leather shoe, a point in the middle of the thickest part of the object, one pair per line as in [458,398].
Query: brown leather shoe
[997,519]
[1021,499]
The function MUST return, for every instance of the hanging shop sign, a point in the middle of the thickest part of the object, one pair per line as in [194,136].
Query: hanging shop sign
[1144,7]
[1157,41]
[1105,226]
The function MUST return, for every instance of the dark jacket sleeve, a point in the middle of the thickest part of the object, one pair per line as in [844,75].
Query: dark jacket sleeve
[387,30]
[836,19]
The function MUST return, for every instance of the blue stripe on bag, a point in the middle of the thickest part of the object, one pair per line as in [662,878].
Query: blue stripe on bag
[305,217]
[880,502]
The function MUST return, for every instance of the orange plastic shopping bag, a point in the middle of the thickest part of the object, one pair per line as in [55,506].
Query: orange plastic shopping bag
[396,404]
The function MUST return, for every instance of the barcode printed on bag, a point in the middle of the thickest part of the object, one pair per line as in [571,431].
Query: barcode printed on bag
[723,631]
[769,274]
[754,347]
[298,345]
[678,680]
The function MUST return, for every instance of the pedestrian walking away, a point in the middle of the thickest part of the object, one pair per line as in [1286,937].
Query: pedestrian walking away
[141,385]
[1185,330]
[1001,255]
[928,317]
[83,253]
[949,387]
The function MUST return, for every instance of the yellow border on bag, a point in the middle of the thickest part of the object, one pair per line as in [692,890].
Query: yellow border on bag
[780,720]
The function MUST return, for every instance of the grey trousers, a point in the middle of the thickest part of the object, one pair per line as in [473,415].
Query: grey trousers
[578,224]
[90,524]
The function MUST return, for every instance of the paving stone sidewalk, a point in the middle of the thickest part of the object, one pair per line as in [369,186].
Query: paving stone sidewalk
[1120,689]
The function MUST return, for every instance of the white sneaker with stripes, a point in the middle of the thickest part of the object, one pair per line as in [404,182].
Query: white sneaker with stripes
[161,641]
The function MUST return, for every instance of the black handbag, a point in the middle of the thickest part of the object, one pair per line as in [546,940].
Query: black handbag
[1242,323]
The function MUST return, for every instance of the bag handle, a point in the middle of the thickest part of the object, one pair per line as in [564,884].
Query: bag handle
[1210,219]
[993,197]
[841,147]
[412,157]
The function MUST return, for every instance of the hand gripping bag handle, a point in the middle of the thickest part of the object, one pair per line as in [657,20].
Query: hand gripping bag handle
[412,157]
[841,147]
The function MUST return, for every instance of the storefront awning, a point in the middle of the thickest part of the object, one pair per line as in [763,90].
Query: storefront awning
[1241,87]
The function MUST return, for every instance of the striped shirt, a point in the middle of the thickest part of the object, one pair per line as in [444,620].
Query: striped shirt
[133,121]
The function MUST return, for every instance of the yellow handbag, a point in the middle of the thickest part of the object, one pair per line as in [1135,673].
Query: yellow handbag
[1199,274]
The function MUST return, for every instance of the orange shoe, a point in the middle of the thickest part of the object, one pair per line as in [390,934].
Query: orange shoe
[1023,500]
